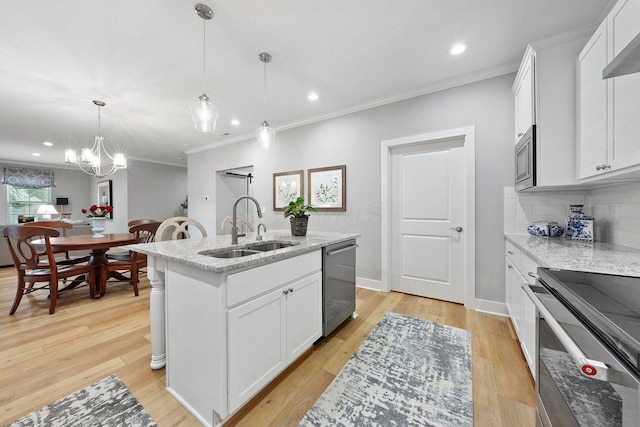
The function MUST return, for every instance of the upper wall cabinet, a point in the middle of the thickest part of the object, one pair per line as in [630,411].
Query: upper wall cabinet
[608,110]
[545,95]
[524,94]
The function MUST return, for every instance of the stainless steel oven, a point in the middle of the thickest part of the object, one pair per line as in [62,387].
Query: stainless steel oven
[588,349]
[525,160]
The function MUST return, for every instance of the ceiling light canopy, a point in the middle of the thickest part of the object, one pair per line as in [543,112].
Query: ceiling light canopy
[265,134]
[90,162]
[203,112]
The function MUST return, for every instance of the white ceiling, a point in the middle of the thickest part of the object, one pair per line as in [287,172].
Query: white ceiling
[144,59]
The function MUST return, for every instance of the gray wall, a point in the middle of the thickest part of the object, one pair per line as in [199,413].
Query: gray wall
[354,140]
[155,191]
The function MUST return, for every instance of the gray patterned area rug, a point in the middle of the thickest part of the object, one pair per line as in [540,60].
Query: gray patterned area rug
[408,372]
[107,403]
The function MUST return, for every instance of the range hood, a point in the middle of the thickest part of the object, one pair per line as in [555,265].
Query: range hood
[626,62]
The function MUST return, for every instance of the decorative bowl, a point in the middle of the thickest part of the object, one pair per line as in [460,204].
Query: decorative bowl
[545,229]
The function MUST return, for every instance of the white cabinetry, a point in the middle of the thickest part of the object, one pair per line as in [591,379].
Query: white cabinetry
[545,96]
[524,95]
[228,335]
[521,270]
[269,332]
[608,109]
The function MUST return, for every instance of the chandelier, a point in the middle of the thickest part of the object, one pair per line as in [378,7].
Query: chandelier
[265,134]
[90,162]
[203,112]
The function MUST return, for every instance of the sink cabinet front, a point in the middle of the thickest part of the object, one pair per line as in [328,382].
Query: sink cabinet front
[230,334]
[269,332]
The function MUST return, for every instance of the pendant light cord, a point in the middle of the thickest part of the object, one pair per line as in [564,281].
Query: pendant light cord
[204,51]
[99,128]
[265,90]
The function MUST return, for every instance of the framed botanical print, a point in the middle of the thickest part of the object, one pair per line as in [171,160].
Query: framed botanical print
[328,188]
[287,186]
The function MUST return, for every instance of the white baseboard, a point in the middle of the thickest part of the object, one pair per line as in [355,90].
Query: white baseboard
[375,285]
[491,307]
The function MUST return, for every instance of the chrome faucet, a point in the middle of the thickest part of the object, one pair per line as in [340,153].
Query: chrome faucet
[234,226]
[259,236]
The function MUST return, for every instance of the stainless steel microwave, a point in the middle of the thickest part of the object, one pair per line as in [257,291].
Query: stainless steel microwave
[525,160]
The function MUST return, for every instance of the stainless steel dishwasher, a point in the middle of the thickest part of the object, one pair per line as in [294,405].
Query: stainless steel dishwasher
[338,284]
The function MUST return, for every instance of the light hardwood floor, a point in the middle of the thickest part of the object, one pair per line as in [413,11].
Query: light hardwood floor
[45,357]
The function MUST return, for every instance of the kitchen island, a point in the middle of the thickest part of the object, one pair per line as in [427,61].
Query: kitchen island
[226,327]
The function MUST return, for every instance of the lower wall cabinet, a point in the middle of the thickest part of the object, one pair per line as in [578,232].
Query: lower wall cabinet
[269,332]
[521,270]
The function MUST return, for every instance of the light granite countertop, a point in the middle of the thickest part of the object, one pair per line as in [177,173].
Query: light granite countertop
[186,251]
[566,254]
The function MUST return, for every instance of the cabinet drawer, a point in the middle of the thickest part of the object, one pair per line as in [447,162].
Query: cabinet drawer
[256,281]
[511,251]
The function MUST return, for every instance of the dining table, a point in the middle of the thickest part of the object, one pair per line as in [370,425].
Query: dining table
[97,247]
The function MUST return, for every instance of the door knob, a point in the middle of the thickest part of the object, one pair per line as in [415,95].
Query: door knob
[458,229]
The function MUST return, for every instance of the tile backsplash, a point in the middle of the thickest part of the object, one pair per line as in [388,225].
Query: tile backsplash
[616,210]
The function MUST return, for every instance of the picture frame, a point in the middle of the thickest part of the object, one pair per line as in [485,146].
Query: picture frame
[328,188]
[105,195]
[287,186]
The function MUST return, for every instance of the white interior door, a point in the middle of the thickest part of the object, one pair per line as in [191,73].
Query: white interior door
[427,195]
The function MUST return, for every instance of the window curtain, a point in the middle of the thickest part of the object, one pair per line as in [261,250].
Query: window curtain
[28,178]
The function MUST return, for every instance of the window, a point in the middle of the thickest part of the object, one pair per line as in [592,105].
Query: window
[25,201]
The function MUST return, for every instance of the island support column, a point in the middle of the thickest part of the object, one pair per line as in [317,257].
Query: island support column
[156,275]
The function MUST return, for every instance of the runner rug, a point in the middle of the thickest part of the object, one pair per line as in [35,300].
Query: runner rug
[407,372]
[106,403]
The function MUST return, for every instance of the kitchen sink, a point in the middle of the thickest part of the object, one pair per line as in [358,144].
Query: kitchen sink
[250,249]
[229,253]
[269,246]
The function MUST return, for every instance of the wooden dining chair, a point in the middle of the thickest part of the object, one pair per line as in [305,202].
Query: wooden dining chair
[178,228]
[36,266]
[61,226]
[122,254]
[133,262]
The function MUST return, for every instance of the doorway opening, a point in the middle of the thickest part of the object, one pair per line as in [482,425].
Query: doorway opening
[231,184]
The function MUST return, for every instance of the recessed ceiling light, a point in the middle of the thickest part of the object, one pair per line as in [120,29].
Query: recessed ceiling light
[457,49]
[235,122]
[313,96]
[47,143]
[36,154]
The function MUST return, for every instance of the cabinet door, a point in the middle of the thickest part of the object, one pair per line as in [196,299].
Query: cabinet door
[624,149]
[524,98]
[592,105]
[528,339]
[304,315]
[256,346]
[514,302]
[529,334]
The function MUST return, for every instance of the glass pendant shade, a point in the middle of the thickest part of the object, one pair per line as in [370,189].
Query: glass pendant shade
[204,114]
[265,135]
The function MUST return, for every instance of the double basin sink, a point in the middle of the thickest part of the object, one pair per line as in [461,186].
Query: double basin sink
[246,250]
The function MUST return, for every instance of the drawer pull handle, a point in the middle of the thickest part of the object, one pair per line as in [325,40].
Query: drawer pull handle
[510,253]
[534,275]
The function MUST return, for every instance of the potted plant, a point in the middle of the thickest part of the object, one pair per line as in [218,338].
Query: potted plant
[299,214]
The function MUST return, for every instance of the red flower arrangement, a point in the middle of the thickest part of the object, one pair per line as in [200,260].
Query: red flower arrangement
[97,211]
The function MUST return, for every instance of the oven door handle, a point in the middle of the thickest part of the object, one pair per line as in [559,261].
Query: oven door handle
[588,367]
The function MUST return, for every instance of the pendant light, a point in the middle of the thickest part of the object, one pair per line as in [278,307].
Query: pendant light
[265,134]
[90,161]
[203,112]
